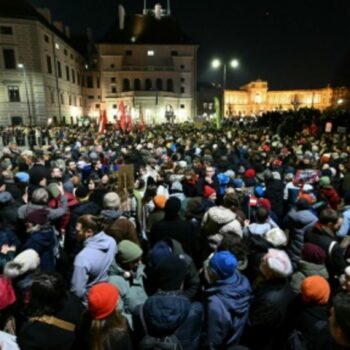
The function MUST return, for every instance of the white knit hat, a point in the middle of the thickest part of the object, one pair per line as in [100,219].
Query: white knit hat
[111,200]
[278,261]
[26,261]
[276,237]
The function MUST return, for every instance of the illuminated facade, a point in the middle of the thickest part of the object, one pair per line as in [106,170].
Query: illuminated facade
[255,98]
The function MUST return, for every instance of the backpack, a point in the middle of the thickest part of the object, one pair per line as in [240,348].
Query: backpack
[153,343]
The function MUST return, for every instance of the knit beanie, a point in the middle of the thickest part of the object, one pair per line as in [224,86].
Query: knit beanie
[208,191]
[315,289]
[250,173]
[170,273]
[223,264]
[5,197]
[38,217]
[53,190]
[264,202]
[38,173]
[176,186]
[26,261]
[128,252]
[102,299]
[279,262]
[160,201]
[81,192]
[22,177]
[160,251]
[111,200]
[313,253]
[276,237]
[172,207]
[325,182]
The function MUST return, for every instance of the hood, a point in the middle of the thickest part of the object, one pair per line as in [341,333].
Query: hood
[310,269]
[178,195]
[100,241]
[175,246]
[44,237]
[235,293]
[5,198]
[304,217]
[110,214]
[164,313]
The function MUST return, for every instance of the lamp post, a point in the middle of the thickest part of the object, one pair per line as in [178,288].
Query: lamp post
[23,68]
[216,64]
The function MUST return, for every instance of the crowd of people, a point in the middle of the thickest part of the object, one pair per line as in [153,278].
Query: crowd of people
[236,238]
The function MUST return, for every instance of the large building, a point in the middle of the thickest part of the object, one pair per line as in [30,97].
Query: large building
[149,64]
[144,60]
[40,71]
[255,98]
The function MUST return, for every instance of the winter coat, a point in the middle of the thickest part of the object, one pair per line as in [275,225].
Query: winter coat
[155,216]
[192,190]
[92,263]
[8,211]
[44,242]
[266,327]
[168,313]
[297,222]
[227,307]
[131,290]
[274,192]
[42,336]
[331,196]
[306,269]
[321,236]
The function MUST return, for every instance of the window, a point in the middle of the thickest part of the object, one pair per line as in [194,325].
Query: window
[182,106]
[148,84]
[5,30]
[98,82]
[67,73]
[59,69]
[97,105]
[62,99]
[69,100]
[9,58]
[113,80]
[73,76]
[91,97]
[182,90]
[46,38]
[83,81]
[49,64]
[112,65]
[150,53]
[78,78]
[128,53]
[71,56]
[182,66]
[52,96]
[89,82]
[126,85]
[182,80]
[174,53]
[57,46]
[137,84]
[114,90]
[170,85]
[114,106]
[65,52]
[13,94]
[74,100]
[159,84]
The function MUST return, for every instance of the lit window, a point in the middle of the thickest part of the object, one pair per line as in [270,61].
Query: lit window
[150,53]
[57,46]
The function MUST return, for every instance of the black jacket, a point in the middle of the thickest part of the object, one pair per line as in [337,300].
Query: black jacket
[274,192]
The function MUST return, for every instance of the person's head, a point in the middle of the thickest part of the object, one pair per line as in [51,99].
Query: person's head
[56,173]
[172,208]
[129,255]
[313,253]
[209,193]
[276,264]
[36,219]
[235,245]
[222,266]
[209,171]
[331,219]
[105,180]
[111,201]
[71,166]
[91,185]
[339,320]
[47,294]
[87,226]
[261,214]
[315,290]
[40,196]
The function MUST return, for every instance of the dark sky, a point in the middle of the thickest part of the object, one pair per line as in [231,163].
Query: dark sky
[289,43]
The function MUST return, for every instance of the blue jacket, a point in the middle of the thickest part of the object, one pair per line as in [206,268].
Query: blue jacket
[169,312]
[227,311]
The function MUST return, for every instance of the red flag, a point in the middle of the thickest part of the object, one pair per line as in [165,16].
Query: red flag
[142,120]
[128,121]
[103,122]
[122,115]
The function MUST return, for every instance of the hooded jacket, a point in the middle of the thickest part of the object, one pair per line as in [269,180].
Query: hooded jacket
[227,308]
[92,263]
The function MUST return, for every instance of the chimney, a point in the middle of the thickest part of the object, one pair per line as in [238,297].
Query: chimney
[158,11]
[121,13]
[45,12]
[67,31]
[58,25]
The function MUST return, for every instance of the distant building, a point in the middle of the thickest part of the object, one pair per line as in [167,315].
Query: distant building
[40,71]
[255,98]
[147,62]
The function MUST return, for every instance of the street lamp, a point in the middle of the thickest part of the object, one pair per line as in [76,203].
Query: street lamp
[23,68]
[216,64]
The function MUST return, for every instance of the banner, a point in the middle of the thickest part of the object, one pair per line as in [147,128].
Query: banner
[307,176]
[103,122]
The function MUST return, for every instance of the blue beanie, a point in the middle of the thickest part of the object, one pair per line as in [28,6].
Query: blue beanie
[238,183]
[223,264]
[259,191]
[22,177]
[159,252]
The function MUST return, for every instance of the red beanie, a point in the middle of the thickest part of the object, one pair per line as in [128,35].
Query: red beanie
[208,191]
[103,299]
[315,289]
[264,202]
[250,173]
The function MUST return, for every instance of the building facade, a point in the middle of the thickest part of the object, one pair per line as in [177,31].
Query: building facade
[255,98]
[39,68]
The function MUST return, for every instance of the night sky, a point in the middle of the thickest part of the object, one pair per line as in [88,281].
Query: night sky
[291,44]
